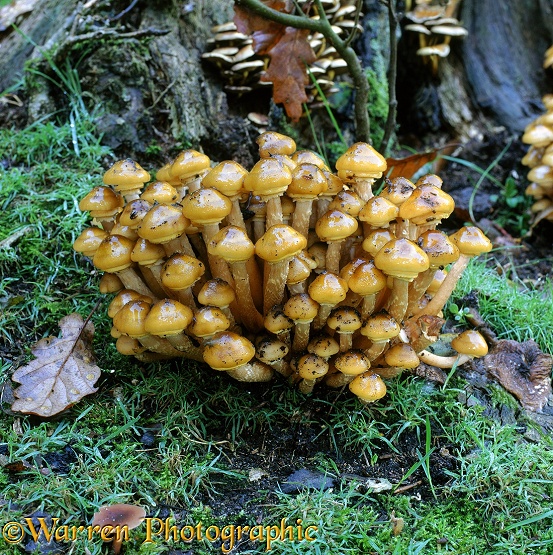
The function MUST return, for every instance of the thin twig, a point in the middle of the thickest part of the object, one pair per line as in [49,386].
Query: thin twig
[349,40]
[392,77]
[407,487]
[323,26]
[125,11]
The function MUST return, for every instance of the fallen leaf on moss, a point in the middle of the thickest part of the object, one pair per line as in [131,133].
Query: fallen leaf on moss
[62,373]
[523,370]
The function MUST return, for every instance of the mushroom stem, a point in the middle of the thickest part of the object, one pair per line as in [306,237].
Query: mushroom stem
[417,289]
[302,216]
[252,372]
[375,350]
[367,308]
[301,336]
[399,299]
[249,314]
[448,285]
[275,284]
[442,362]
[333,253]
[131,280]
[179,244]
[363,187]
[159,345]
[184,345]
[151,281]
[274,212]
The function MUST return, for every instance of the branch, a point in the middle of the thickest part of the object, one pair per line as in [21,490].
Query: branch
[323,26]
[392,76]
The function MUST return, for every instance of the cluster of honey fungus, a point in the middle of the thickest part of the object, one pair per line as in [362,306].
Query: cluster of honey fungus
[285,268]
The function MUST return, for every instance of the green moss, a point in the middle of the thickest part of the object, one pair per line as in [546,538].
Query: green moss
[378,95]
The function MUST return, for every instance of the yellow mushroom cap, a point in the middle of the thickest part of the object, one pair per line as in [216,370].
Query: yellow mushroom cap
[352,363]
[279,242]
[439,249]
[160,192]
[471,343]
[89,240]
[323,345]
[344,319]
[268,178]
[367,279]
[207,321]
[397,190]
[378,212]
[301,308]
[216,292]
[232,244]
[188,164]
[308,182]
[130,319]
[380,327]
[134,212]
[376,239]
[163,223]
[227,177]
[311,367]
[328,288]
[167,317]
[347,201]
[401,355]
[271,143]
[368,387]
[126,175]
[335,226]
[361,160]
[227,350]
[102,202]
[113,254]
[146,253]
[401,258]
[206,206]
[471,241]
[122,298]
[181,271]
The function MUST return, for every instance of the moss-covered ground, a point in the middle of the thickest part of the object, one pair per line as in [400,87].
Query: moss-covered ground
[187,443]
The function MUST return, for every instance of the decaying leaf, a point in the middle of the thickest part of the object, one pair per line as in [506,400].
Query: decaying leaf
[62,373]
[289,50]
[265,33]
[523,370]
[410,165]
[287,70]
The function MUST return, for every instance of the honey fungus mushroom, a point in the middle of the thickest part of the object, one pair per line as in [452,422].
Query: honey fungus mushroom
[302,288]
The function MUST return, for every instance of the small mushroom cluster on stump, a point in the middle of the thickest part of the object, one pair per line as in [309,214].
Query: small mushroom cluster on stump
[241,68]
[434,24]
[539,158]
[286,268]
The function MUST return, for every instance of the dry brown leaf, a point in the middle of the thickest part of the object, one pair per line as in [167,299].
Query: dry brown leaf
[62,373]
[265,33]
[407,167]
[288,70]
[289,50]
[523,370]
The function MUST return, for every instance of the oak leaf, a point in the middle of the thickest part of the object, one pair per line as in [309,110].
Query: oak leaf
[288,49]
[265,33]
[287,70]
[62,373]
